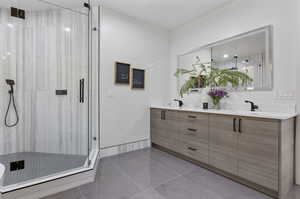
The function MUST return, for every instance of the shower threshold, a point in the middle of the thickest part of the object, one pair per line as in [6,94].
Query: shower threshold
[37,165]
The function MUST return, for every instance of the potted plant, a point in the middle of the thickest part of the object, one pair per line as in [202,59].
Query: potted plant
[216,79]
[197,76]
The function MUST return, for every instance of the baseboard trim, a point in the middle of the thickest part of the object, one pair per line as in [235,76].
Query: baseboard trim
[124,148]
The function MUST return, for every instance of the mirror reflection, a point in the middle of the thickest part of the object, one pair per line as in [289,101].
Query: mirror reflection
[243,62]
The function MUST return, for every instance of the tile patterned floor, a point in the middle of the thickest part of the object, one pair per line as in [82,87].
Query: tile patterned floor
[152,174]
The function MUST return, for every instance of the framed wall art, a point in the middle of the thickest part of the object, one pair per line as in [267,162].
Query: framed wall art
[122,73]
[138,79]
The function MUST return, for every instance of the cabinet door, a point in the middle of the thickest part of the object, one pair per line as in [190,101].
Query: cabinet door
[193,134]
[164,129]
[258,151]
[223,143]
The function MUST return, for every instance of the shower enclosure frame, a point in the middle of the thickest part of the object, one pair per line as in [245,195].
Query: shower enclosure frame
[85,174]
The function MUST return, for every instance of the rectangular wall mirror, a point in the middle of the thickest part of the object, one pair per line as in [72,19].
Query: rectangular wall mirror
[250,53]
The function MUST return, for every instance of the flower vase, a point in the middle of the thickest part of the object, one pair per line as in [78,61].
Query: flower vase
[216,104]
[217,95]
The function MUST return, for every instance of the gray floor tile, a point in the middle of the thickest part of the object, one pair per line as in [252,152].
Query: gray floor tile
[152,174]
[295,194]
[113,184]
[182,187]
[145,171]
[70,194]
[220,187]
[89,191]
[179,165]
[148,194]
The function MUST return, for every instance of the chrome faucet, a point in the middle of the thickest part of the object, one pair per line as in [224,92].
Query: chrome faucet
[253,106]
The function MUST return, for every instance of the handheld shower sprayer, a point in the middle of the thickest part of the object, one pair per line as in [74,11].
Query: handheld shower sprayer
[11,83]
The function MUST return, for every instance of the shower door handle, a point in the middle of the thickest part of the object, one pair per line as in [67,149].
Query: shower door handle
[81,91]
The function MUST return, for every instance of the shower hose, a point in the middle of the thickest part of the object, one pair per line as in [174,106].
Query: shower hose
[11,101]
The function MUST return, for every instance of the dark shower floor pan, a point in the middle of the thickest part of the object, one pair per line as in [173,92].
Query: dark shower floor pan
[38,165]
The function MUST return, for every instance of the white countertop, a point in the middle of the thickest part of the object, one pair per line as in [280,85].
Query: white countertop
[267,115]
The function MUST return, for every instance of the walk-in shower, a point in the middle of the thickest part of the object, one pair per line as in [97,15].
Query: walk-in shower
[48,89]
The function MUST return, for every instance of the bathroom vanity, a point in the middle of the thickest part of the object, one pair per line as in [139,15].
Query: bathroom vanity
[255,149]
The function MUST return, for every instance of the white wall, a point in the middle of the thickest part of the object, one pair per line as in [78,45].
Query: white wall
[295,52]
[125,112]
[239,17]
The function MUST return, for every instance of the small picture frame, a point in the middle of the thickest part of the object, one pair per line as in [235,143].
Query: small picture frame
[122,73]
[138,79]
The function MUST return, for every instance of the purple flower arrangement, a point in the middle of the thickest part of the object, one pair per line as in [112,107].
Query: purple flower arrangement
[216,95]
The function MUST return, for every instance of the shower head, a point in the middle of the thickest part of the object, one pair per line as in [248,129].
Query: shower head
[10,82]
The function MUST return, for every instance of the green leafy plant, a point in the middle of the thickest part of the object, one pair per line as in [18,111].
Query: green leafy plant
[204,75]
[225,77]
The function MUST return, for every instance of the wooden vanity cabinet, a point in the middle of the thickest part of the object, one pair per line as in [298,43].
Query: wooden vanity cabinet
[245,147]
[223,139]
[164,127]
[194,136]
[258,151]
[254,151]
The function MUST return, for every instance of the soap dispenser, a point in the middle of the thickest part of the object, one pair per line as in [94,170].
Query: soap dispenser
[204,101]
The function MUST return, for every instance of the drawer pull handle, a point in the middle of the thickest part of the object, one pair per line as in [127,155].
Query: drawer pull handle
[192,149]
[163,115]
[192,130]
[234,121]
[192,117]
[240,125]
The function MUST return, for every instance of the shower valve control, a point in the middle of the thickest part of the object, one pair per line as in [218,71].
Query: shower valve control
[19,13]
[81,91]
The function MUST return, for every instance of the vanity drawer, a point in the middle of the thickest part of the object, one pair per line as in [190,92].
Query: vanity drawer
[196,152]
[191,117]
[194,133]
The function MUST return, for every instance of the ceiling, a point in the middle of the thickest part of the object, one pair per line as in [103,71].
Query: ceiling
[33,5]
[166,13]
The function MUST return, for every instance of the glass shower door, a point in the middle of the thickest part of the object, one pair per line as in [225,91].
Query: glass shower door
[47,55]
